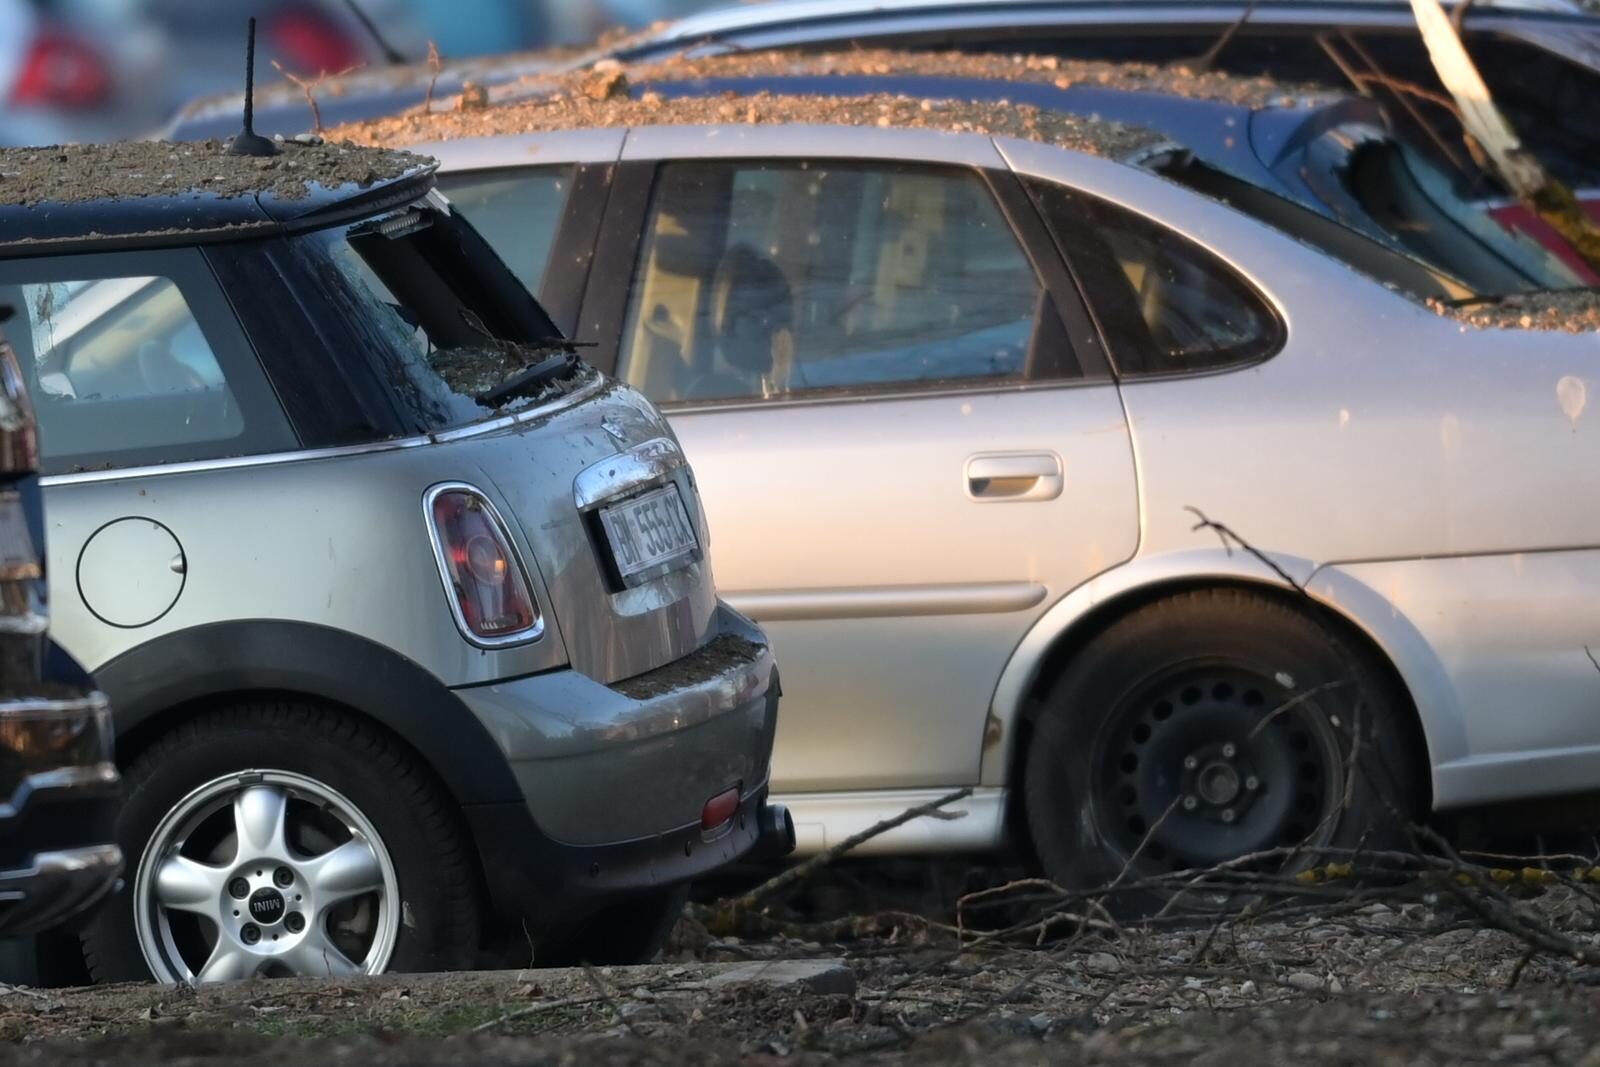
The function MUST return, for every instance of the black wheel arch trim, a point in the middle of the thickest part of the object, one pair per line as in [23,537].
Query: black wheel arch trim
[207,664]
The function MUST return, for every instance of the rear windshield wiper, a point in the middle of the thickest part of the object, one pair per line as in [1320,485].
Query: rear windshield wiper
[532,380]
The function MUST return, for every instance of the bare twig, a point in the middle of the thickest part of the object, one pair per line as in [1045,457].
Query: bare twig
[534,1009]
[309,86]
[1229,539]
[435,65]
[606,995]
[800,872]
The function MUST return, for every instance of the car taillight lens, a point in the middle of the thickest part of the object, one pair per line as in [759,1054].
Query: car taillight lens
[488,591]
[309,42]
[60,71]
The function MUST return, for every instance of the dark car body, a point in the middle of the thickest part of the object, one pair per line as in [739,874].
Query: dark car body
[58,784]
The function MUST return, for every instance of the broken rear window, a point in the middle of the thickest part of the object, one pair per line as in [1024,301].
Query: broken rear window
[429,296]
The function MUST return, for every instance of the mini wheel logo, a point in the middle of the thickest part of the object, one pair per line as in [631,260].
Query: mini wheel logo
[266,906]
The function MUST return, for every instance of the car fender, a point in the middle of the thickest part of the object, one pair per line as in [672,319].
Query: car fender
[206,665]
[1369,611]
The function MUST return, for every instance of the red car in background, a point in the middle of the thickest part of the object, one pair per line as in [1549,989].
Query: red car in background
[1516,216]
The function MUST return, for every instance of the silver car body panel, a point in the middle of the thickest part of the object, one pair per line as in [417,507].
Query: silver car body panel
[973,824]
[314,519]
[562,146]
[1424,479]
[567,737]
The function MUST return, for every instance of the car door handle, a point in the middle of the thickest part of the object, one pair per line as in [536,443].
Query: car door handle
[1014,476]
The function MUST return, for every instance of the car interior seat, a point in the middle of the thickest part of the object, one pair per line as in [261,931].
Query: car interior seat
[751,305]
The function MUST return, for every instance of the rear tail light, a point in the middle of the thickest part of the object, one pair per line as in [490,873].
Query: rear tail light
[483,579]
[61,71]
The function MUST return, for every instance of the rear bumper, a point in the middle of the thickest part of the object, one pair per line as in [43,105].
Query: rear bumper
[57,887]
[58,858]
[615,778]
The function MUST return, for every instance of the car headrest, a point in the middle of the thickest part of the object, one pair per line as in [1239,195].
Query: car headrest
[750,302]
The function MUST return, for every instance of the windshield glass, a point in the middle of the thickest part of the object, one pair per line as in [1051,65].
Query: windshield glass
[1435,244]
[1416,204]
[430,298]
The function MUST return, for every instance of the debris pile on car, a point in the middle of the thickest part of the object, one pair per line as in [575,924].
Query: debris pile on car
[1050,70]
[1568,311]
[66,174]
[580,111]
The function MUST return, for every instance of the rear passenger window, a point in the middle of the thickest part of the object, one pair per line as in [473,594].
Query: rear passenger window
[765,280]
[122,372]
[517,211]
[1167,305]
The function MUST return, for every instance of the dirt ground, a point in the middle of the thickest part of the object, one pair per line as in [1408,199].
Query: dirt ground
[1411,978]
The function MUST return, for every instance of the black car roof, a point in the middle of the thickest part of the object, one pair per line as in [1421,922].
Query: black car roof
[153,193]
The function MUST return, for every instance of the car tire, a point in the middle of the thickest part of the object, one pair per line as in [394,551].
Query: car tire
[284,745]
[627,932]
[1165,745]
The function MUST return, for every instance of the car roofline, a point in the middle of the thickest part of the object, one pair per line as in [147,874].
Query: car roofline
[464,155]
[794,16]
[109,225]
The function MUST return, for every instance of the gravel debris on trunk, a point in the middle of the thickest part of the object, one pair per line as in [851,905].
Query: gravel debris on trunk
[1573,311]
[66,174]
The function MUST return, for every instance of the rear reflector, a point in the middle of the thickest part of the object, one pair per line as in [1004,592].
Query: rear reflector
[719,809]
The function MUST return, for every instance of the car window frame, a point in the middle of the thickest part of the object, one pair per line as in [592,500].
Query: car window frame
[576,231]
[1111,304]
[620,248]
[267,428]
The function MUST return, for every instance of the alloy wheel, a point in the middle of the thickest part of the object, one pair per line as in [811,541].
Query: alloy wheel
[267,873]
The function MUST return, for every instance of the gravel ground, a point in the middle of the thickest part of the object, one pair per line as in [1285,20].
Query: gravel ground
[1407,979]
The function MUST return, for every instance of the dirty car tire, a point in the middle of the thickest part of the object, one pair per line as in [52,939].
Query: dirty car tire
[1164,745]
[439,925]
[633,930]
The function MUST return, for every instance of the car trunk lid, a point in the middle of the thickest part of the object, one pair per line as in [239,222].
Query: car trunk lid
[610,518]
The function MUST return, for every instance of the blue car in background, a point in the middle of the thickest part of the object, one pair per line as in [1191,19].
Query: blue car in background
[1541,59]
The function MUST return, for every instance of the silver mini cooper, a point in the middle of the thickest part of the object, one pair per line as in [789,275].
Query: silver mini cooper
[405,611]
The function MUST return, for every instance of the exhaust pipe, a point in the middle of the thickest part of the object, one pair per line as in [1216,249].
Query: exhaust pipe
[776,838]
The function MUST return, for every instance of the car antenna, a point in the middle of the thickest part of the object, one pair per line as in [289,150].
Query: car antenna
[390,53]
[247,142]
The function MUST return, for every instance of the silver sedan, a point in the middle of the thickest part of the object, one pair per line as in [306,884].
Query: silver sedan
[957,403]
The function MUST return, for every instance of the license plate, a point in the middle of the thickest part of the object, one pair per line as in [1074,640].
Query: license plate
[649,532]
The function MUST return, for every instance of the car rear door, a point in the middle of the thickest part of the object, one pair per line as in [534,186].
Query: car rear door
[900,419]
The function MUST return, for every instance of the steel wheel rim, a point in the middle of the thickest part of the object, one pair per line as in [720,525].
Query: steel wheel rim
[1194,764]
[233,884]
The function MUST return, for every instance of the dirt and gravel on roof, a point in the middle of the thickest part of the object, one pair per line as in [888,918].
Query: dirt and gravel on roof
[1573,311]
[609,94]
[573,111]
[65,174]
[1174,80]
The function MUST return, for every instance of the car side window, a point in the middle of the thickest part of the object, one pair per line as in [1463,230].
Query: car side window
[517,211]
[122,372]
[760,279]
[1166,304]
